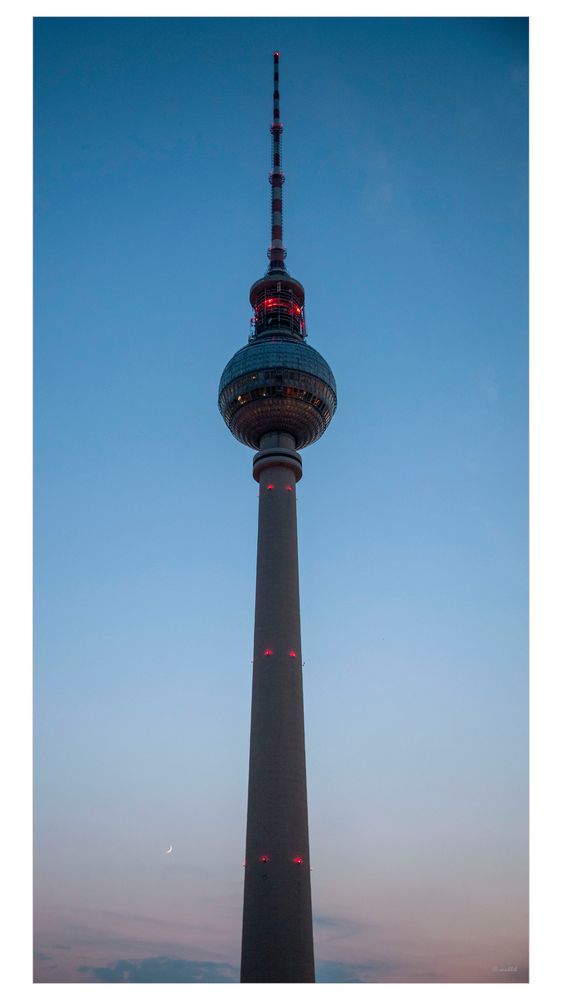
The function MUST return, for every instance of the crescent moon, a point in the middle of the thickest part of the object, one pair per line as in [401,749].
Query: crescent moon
[169,851]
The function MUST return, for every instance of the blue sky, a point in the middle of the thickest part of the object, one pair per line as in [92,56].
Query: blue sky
[405,150]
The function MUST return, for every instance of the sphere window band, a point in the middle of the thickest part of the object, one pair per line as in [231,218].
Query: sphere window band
[290,381]
[302,412]
[287,390]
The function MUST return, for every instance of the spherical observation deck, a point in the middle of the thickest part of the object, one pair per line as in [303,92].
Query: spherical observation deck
[277,384]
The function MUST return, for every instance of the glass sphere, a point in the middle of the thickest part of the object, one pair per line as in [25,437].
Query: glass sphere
[277,385]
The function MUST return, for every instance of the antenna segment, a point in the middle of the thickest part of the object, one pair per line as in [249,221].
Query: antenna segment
[276,252]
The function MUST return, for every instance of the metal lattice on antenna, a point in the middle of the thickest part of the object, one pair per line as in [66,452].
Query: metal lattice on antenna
[276,252]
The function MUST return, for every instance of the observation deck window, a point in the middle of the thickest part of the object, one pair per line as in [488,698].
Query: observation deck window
[278,309]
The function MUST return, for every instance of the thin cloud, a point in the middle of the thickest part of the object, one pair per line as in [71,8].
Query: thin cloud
[163,969]
[341,927]
[377,971]
[488,384]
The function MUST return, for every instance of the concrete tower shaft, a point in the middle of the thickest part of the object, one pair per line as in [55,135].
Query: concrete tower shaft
[277,944]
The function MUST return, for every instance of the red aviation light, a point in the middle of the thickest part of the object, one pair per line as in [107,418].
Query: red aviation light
[278,303]
[292,653]
[270,486]
[297,860]
[268,652]
[271,304]
[264,858]
[289,489]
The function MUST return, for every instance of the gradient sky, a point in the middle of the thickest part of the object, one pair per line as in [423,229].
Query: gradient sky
[405,150]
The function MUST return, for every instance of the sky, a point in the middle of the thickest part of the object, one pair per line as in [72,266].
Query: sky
[405,217]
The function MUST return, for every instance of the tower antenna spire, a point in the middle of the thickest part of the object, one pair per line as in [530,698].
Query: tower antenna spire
[276,252]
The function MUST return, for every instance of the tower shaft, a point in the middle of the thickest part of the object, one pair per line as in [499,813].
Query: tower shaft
[277,944]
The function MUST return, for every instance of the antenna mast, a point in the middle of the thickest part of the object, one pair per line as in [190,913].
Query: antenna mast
[276,252]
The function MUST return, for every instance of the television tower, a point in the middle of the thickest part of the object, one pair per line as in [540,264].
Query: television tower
[277,395]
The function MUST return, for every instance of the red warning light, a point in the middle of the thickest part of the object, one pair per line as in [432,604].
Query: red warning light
[270,486]
[264,858]
[292,653]
[297,860]
[268,652]
[289,489]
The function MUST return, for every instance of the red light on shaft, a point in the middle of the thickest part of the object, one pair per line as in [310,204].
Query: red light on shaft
[297,860]
[264,858]
[268,652]
[292,653]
